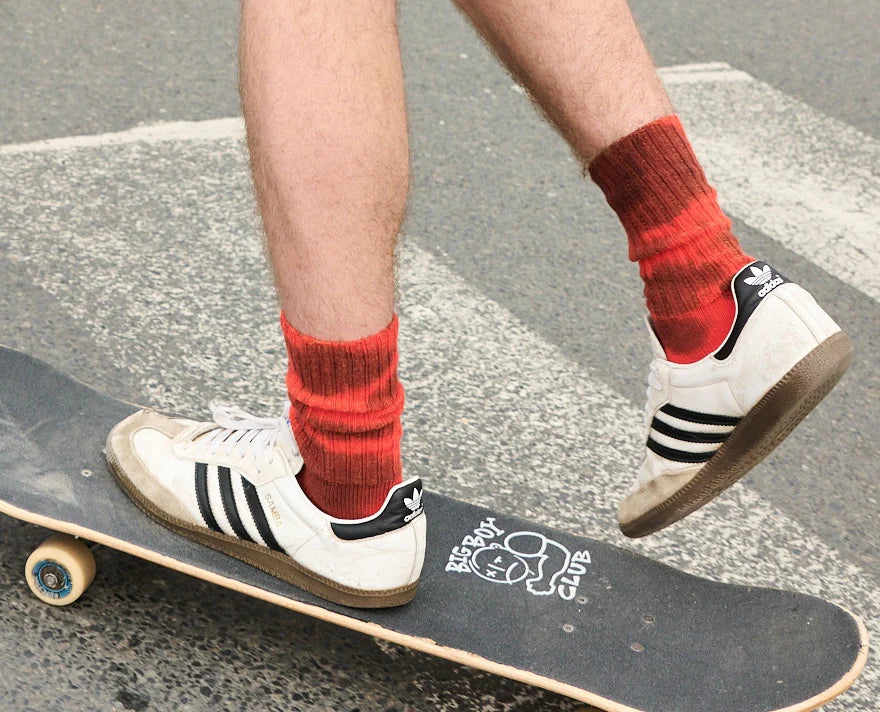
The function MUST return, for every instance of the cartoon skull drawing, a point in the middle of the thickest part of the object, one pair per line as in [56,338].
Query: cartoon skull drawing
[523,556]
[495,563]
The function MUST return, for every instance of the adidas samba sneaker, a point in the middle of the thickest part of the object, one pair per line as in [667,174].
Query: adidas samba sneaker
[710,422]
[231,484]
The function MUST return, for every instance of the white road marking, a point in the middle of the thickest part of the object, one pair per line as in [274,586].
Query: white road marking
[210,130]
[702,73]
[517,424]
[808,181]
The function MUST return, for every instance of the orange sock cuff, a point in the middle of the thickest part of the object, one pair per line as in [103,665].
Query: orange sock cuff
[677,233]
[345,407]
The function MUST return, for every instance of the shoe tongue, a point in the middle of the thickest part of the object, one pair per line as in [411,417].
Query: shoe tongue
[286,436]
[288,443]
[656,346]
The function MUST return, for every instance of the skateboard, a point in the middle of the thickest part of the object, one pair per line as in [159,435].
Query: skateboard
[576,616]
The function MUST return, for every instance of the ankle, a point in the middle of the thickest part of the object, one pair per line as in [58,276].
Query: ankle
[691,336]
[345,407]
[678,234]
[688,295]
[348,501]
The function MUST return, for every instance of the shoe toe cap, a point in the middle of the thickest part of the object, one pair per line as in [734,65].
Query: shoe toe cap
[140,452]
[651,494]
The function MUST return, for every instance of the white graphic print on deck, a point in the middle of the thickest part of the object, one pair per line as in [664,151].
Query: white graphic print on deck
[545,565]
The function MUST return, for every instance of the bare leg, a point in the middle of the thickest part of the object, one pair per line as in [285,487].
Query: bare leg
[322,91]
[585,64]
[583,61]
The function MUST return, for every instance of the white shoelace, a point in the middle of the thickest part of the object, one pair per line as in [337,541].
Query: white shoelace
[252,434]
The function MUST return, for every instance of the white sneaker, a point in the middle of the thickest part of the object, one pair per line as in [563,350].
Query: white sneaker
[231,484]
[710,422]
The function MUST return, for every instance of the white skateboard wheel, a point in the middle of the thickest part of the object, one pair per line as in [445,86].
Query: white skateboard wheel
[60,569]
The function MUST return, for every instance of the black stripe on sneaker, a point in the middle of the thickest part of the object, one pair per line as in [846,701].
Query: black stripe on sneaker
[253,500]
[202,497]
[228,497]
[693,416]
[686,436]
[678,455]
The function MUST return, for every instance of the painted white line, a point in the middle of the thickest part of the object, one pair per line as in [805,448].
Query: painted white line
[701,73]
[497,415]
[808,181]
[210,130]
[696,67]
[233,127]
[733,75]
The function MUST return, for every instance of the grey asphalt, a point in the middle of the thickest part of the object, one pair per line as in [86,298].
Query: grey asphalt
[517,223]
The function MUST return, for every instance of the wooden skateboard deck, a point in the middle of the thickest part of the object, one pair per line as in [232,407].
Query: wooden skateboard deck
[576,616]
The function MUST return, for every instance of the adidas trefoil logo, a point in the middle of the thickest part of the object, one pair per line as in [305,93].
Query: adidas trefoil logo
[759,276]
[763,276]
[414,504]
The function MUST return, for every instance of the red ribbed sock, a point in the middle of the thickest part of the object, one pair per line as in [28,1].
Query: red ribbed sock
[677,233]
[345,406]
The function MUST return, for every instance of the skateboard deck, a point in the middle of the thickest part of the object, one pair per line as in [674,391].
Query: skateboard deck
[573,615]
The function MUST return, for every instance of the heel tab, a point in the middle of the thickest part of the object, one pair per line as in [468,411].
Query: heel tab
[749,286]
[403,504]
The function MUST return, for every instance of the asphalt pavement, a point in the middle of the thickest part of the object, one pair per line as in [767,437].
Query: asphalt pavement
[135,266]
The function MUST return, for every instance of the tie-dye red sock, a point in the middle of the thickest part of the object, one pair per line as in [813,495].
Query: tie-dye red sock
[677,233]
[345,407]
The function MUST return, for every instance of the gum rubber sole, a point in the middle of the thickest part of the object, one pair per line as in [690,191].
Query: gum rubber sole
[271,562]
[766,425]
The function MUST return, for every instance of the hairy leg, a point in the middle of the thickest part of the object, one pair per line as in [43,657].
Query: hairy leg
[322,92]
[582,61]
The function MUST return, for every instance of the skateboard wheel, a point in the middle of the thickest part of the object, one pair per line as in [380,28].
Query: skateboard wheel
[60,569]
